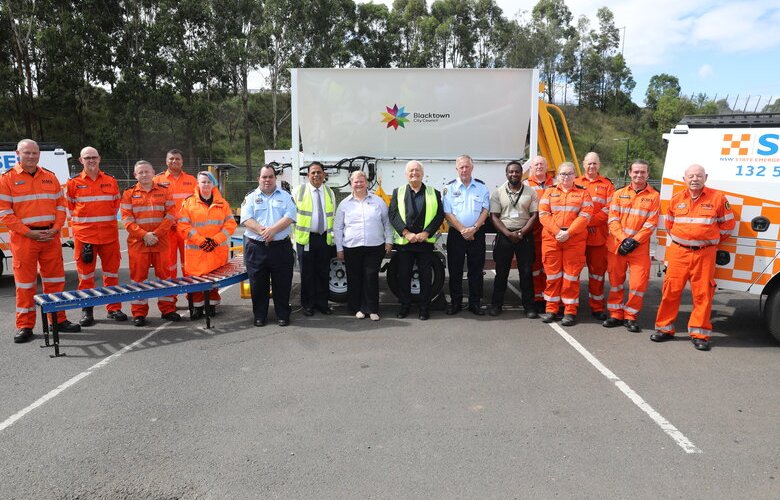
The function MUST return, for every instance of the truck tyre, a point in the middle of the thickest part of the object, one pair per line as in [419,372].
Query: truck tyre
[437,284]
[338,281]
[772,313]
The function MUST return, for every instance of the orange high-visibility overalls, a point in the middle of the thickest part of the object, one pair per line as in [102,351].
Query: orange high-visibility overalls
[563,262]
[198,221]
[634,215]
[601,191]
[33,202]
[143,212]
[537,269]
[695,228]
[93,206]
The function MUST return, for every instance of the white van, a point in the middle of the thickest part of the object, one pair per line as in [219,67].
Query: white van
[53,158]
[741,154]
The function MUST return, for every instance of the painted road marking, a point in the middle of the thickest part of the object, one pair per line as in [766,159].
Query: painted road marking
[678,437]
[81,376]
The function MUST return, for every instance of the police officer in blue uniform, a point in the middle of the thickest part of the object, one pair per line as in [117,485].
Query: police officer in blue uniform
[267,213]
[466,207]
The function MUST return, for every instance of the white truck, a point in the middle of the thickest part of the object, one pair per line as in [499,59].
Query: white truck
[53,158]
[379,119]
[741,154]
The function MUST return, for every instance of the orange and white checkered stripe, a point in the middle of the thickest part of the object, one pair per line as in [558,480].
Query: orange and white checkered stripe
[755,256]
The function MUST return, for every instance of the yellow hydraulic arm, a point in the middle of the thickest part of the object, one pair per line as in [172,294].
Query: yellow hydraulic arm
[550,144]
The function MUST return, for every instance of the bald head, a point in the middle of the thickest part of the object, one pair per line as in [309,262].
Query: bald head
[591,164]
[695,177]
[538,168]
[90,159]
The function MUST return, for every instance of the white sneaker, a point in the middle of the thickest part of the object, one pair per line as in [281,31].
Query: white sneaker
[360,315]
[374,317]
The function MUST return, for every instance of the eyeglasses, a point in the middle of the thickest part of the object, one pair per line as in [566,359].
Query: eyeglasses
[566,174]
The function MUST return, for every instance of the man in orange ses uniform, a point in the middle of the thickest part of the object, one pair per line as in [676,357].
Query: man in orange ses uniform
[147,213]
[698,219]
[601,191]
[633,216]
[33,208]
[93,201]
[180,185]
[564,210]
[539,180]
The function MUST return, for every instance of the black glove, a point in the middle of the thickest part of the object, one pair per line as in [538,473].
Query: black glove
[205,245]
[87,253]
[212,245]
[627,246]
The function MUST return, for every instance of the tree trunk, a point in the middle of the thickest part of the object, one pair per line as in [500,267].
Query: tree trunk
[245,112]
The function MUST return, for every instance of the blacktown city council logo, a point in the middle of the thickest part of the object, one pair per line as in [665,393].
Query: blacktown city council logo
[395,117]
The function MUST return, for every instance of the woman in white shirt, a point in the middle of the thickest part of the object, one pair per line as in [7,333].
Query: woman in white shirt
[363,236]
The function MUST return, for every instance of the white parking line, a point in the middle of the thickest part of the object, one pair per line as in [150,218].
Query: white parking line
[678,437]
[74,380]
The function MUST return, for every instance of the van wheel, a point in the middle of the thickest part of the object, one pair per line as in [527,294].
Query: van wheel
[338,281]
[437,281]
[772,313]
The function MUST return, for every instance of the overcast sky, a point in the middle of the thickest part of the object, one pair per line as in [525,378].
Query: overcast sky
[713,47]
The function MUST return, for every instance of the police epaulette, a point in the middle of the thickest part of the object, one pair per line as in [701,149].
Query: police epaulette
[451,182]
[479,180]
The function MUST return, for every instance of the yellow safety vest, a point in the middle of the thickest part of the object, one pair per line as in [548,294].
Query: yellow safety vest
[305,206]
[430,212]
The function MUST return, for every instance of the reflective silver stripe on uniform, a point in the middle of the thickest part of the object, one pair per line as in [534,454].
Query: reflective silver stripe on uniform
[228,217]
[180,196]
[634,211]
[192,247]
[598,199]
[198,303]
[694,243]
[700,331]
[37,196]
[570,301]
[636,292]
[223,244]
[550,298]
[544,212]
[191,233]
[126,206]
[61,208]
[25,309]
[630,232]
[665,329]
[184,219]
[648,225]
[563,208]
[726,217]
[6,197]
[570,277]
[110,275]
[207,223]
[696,220]
[551,277]
[25,285]
[631,310]
[57,279]
[597,277]
[170,217]
[40,218]
[587,203]
[726,231]
[613,219]
[615,307]
[225,232]
[536,273]
[102,218]
[86,276]
[129,219]
[595,297]
[89,199]
[6,212]
[149,220]
[169,203]
[618,288]
[585,214]
[605,210]
[148,208]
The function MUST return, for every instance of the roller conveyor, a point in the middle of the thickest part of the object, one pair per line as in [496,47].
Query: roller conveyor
[232,272]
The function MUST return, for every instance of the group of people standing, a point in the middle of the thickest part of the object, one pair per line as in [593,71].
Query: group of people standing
[550,226]
[171,217]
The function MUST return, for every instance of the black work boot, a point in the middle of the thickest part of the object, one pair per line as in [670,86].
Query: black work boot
[87,319]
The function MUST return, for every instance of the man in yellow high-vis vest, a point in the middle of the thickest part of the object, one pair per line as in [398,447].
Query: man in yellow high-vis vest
[415,213]
[316,209]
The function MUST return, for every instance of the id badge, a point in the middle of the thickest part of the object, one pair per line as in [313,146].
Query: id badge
[514,214]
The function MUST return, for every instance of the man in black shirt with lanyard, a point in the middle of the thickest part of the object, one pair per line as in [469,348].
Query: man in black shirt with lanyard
[513,210]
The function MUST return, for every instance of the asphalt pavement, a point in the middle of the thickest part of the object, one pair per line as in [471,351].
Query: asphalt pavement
[336,407]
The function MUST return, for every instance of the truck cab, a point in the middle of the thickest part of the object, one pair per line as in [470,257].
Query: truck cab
[741,155]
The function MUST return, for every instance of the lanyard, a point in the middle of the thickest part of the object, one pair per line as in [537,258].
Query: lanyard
[519,194]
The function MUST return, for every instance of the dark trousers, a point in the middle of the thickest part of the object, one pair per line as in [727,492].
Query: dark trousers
[472,253]
[363,265]
[315,272]
[407,258]
[266,266]
[524,252]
